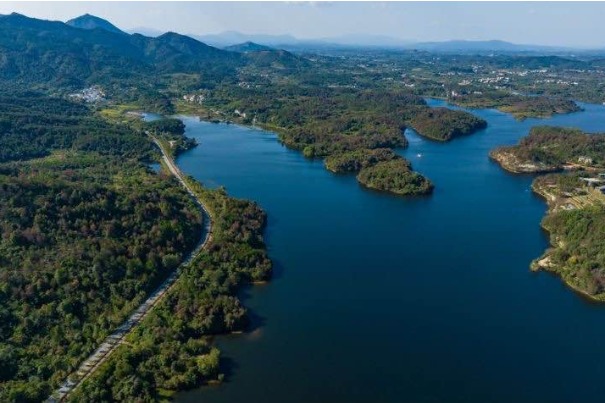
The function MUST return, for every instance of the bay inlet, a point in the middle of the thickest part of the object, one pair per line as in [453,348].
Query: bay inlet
[378,298]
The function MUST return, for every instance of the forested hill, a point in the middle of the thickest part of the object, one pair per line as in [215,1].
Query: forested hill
[88,21]
[248,47]
[50,51]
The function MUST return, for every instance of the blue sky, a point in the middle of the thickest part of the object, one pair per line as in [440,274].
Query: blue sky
[578,24]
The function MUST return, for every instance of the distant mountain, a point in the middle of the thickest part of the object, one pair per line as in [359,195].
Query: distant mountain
[145,31]
[276,58]
[364,40]
[266,56]
[352,41]
[493,46]
[88,21]
[247,47]
[175,52]
[230,38]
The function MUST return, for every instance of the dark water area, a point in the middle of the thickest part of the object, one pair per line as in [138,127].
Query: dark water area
[155,167]
[150,117]
[378,298]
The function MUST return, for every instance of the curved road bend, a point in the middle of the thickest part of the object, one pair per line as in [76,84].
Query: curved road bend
[111,343]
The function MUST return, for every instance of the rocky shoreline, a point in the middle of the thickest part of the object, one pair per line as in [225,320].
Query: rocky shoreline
[512,163]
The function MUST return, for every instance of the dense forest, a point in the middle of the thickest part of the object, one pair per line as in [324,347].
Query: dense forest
[170,349]
[443,124]
[84,238]
[355,161]
[579,236]
[395,176]
[87,232]
[173,131]
[380,169]
[519,106]
[32,125]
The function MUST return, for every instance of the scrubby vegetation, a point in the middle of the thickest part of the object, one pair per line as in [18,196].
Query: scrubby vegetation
[549,148]
[559,184]
[443,124]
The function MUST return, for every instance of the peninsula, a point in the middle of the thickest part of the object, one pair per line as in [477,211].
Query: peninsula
[576,201]
[576,223]
[550,149]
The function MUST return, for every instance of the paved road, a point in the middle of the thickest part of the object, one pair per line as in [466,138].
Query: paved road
[111,343]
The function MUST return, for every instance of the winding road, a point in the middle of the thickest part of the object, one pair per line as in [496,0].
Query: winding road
[114,340]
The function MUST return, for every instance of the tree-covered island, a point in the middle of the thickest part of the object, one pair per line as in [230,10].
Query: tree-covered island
[380,169]
[521,107]
[443,124]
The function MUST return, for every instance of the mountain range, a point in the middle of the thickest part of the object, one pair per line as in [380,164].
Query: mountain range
[230,38]
[89,49]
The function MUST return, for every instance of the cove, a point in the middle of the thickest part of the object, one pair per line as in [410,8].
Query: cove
[378,298]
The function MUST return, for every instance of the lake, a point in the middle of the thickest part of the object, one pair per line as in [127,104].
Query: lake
[378,298]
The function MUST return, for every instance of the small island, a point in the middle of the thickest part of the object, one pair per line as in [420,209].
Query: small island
[381,169]
[443,124]
[395,177]
[551,149]
[521,107]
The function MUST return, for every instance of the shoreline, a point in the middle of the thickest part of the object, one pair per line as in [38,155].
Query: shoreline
[518,116]
[501,158]
[536,265]
[333,172]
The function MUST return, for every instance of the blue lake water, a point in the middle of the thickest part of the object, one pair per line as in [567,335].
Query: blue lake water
[155,166]
[379,298]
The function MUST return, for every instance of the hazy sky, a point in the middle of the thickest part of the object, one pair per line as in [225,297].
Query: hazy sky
[545,23]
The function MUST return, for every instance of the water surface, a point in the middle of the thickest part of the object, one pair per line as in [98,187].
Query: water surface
[379,298]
